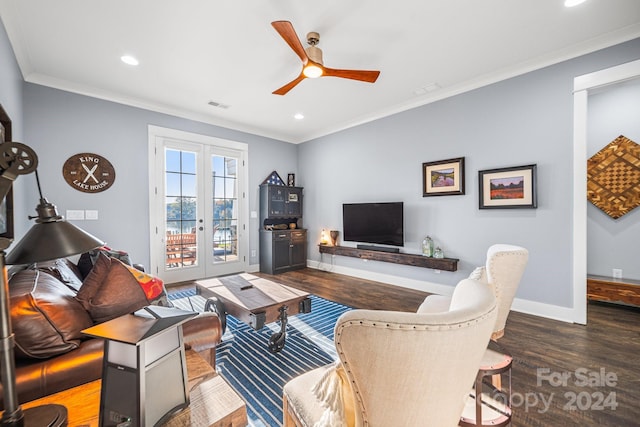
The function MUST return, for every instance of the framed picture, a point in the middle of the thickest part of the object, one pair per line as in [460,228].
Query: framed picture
[6,205]
[443,178]
[507,188]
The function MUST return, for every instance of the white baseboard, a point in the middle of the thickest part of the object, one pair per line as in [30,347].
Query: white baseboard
[420,285]
[253,268]
[549,311]
[555,312]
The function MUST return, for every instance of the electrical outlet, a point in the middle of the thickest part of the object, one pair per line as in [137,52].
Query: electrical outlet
[617,273]
[253,253]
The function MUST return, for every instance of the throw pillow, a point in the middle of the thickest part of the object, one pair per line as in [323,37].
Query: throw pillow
[94,280]
[118,294]
[110,290]
[153,287]
[88,259]
[46,319]
[63,270]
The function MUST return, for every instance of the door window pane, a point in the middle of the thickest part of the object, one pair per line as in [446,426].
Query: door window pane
[225,213]
[180,208]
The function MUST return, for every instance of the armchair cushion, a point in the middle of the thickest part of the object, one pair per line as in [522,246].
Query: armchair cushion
[434,304]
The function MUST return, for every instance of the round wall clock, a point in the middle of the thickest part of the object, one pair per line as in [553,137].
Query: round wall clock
[88,172]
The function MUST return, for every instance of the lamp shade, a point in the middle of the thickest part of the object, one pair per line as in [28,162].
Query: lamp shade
[51,240]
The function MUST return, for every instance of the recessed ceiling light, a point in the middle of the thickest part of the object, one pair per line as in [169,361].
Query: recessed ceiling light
[571,3]
[129,60]
[298,116]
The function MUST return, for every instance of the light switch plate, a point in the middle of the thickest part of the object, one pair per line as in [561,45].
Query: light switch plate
[91,214]
[74,214]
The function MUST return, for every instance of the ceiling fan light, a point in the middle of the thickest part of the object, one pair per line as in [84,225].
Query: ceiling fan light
[312,71]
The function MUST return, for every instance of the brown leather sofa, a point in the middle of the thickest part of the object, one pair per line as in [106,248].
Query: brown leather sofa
[51,352]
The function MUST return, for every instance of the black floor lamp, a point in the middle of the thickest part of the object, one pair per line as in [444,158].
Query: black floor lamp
[50,238]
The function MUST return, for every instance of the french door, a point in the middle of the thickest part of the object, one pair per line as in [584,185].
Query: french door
[198,206]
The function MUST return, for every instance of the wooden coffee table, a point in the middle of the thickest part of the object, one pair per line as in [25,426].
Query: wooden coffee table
[213,403]
[254,301]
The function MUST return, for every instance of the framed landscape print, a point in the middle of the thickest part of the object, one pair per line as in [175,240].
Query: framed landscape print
[443,178]
[506,188]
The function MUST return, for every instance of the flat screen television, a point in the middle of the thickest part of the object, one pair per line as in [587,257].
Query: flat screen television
[378,223]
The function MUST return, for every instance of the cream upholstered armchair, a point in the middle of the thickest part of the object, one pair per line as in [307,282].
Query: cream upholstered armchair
[396,368]
[502,272]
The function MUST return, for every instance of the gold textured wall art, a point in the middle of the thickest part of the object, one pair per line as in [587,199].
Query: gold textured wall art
[613,177]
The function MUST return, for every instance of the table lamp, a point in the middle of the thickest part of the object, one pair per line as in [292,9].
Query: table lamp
[50,238]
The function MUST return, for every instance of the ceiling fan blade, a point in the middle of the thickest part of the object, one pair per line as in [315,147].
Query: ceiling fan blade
[286,88]
[285,29]
[362,75]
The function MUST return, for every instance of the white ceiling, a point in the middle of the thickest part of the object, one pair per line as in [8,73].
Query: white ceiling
[195,51]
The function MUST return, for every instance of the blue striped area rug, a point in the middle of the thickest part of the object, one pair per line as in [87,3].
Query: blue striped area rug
[244,360]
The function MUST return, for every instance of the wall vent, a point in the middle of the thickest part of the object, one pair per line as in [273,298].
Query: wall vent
[218,104]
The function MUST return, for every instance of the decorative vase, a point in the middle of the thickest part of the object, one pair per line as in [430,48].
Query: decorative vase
[334,237]
[427,246]
[438,253]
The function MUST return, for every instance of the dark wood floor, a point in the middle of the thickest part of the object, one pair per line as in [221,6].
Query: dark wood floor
[607,347]
[600,362]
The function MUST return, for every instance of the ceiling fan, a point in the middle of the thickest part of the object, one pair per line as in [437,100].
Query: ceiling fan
[311,57]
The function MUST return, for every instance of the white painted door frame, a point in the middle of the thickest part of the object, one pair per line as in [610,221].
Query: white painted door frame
[581,87]
[157,235]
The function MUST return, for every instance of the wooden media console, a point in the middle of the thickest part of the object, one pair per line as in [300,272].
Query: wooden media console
[446,264]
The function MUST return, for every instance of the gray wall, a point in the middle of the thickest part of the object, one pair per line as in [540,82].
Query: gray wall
[59,124]
[613,243]
[11,100]
[520,121]
[10,84]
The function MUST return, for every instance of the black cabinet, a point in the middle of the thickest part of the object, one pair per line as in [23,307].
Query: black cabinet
[283,241]
[282,250]
[278,202]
